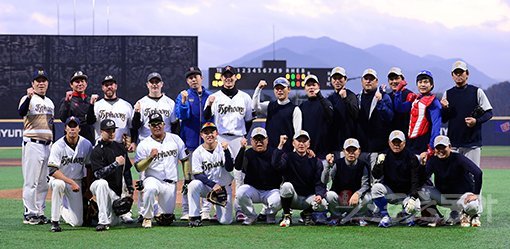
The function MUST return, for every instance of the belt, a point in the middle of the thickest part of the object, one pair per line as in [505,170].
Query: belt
[40,141]
[168,180]
[229,134]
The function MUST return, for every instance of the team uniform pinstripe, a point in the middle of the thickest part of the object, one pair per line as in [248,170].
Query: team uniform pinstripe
[164,106]
[38,125]
[71,163]
[119,111]
[212,164]
[161,175]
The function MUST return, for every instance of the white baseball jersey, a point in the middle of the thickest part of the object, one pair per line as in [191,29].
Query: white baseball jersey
[231,113]
[70,161]
[164,165]
[38,123]
[164,106]
[211,164]
[119,111]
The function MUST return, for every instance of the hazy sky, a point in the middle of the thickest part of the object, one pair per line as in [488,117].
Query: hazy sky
[477,31]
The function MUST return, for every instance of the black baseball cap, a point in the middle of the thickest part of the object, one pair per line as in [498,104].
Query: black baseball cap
[109,78]
[79,75]
[155,118]
[193,71]
[229,69]
[108,124]
[154,75]
[40,73]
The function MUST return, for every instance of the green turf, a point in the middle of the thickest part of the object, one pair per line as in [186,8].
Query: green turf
[493,233]
[486,151]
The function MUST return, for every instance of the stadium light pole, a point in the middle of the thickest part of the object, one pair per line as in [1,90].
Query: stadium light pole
[74,16]
[107,17]
[58,17]
[93,15]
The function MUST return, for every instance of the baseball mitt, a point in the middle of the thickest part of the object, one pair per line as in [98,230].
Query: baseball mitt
[218,197]
[122,205]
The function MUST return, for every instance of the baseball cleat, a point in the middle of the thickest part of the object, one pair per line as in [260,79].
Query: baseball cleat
[261,217]
[362,223]
[55,227]
[102,227]
[147,223]
[240,217]
[385,221]
[270,219]
[475,221]
[43,220]
[195,222]
[308,220]
[453,219]
[465,220]
[32,220]
[286,221]
[249,220]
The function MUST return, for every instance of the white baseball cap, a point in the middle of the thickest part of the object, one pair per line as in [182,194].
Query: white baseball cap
[338,70]
[459,65]
[396,134]
[441,140]
[395,70]
[259,131]
[302,133]
[351,142]
[370,71]
[311,77]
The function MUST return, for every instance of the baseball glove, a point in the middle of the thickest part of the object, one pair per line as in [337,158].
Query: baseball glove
[477,112]
[218,197]
[122,205]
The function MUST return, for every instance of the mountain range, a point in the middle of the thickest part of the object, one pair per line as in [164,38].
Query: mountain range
[324,52]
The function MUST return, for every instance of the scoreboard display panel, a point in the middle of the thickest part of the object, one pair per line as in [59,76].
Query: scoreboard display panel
[249,77]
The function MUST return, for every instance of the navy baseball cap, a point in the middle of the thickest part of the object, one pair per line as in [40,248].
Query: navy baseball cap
[193,71]
[228,69]
[40,72]
[108,124]
[109,78]
[79,75]
[425,74]
[155,118]
[154,75]
[72,119]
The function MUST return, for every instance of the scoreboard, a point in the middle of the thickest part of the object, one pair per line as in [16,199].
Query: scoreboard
[249,77]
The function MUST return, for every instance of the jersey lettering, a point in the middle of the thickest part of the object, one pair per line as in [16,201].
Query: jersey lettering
[103,114]
[149,111]
[222,109]
[207,165]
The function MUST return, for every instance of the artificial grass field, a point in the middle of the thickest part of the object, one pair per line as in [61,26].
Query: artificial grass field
[494,232]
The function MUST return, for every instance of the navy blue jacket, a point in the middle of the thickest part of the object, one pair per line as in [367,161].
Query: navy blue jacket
[374,126]
[317,116]
[303,172]
[260,174]
[279,122]
[345,114]
[455,174]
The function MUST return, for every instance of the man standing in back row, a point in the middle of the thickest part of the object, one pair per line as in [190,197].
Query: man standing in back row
[465,108]
[37,111]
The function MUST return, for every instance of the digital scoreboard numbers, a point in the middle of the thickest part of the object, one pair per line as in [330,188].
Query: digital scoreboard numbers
[249,77]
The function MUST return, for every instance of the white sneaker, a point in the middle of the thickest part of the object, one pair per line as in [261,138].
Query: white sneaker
[475,221]
[385,221]
[147,223]
[286,221]
[185,217]
[362,223]
[465,220]
[126,218]
[205,216]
